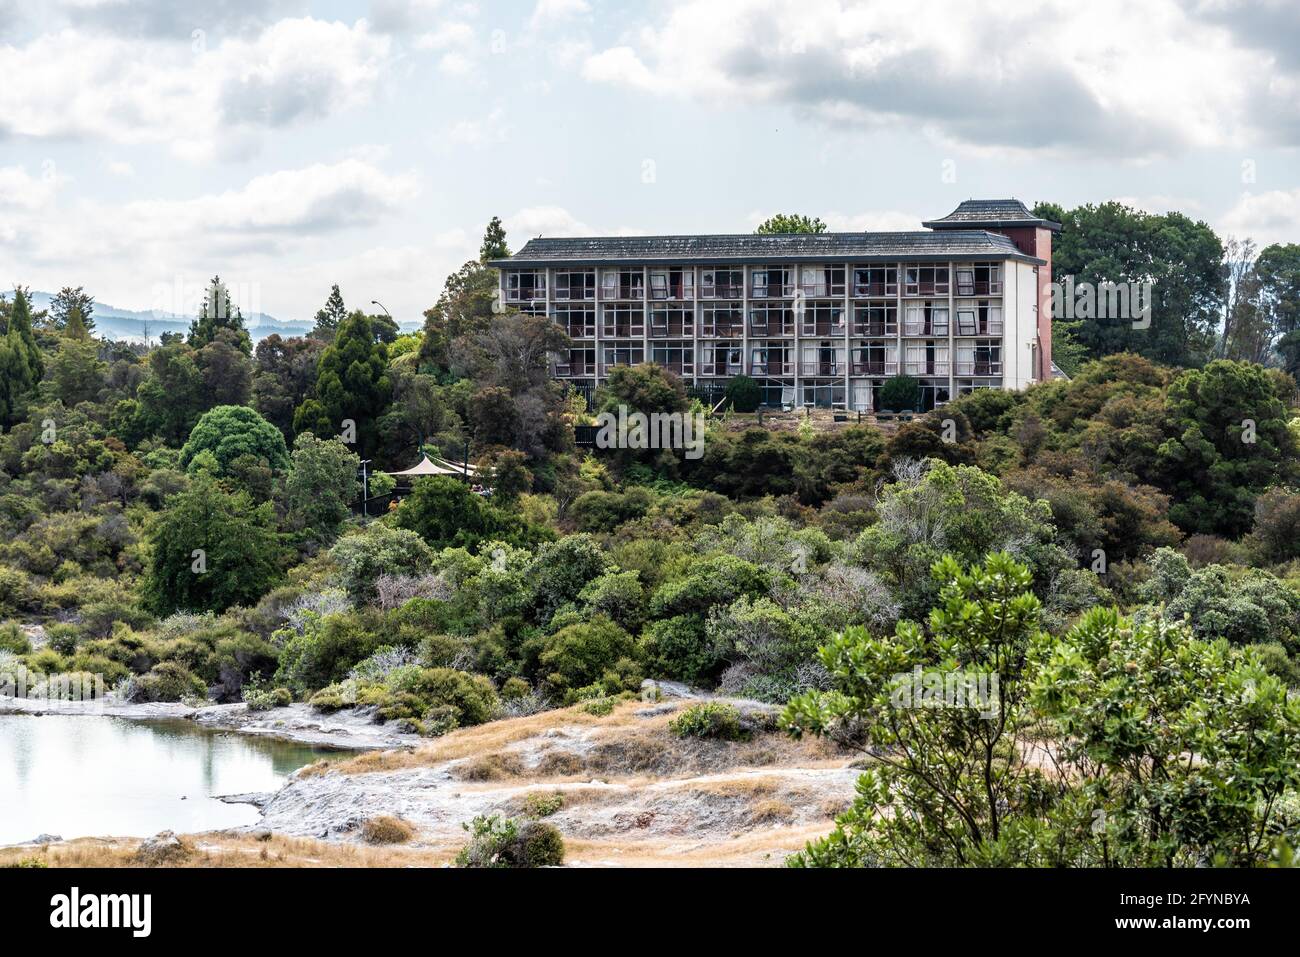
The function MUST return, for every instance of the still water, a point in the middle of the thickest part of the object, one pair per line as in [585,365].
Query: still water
[86,775]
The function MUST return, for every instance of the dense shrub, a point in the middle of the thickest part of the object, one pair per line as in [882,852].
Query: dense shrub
[502,842]
[712,719]
[166,681]
[12,639]
[583,653]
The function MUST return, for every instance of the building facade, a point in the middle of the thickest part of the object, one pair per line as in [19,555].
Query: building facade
[817,320]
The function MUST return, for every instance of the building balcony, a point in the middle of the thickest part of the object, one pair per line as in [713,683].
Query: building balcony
[869,330]
[766,330]
[622,332]
[821,368]
[978,367]
[681,367]
[875,367]
[966,327]
[773,290]
[936,288]
[722,330]
[939,329]
[670,330]
[721,368]
[926,368]
[822,290]
[525,295]
[723,291]
[673,292]
[577,370]
[818,329]
[980,288]
[866,290]
[771,367]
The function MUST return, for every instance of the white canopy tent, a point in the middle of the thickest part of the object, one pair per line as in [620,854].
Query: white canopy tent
[428,466]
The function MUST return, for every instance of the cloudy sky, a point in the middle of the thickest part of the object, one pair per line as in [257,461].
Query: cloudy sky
[287,145]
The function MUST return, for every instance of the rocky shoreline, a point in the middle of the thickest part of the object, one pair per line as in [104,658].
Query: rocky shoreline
[344,730]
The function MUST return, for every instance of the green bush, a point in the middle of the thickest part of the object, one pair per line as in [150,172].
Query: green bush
[581,654]
[900,394]
[744,394]
[538,804]
[166,681]
[327,650]
[259,697]
[13,639]
[501,842]
[712,719]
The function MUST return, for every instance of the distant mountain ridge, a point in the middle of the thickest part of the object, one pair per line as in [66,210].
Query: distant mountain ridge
[132,325]
[114,323]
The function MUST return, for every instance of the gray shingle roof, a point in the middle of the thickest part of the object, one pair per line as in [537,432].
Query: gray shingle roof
[754,248]
[990,214]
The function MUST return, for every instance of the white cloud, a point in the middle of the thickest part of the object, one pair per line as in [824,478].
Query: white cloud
[451,34]
[552,10]
[1271,217]
[19,190]
[1108,76]
[477,132]
[200,100]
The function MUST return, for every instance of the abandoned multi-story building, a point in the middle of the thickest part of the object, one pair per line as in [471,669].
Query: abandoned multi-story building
[817,320]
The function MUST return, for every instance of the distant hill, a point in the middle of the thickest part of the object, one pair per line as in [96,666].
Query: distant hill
[132,325]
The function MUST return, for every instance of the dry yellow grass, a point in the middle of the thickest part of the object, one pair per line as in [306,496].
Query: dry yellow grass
[229,850]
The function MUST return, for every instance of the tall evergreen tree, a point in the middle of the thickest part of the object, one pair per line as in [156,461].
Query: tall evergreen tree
[73,307]
[467,304]
[494,242]
[331,316]
[21,363]
[219,312]
[352,384]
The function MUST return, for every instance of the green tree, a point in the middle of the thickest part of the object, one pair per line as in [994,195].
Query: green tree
[494,242]
[949,781]
[329,318]
[352,385]
[1277,271]
[951,715]
[900,394]
[1182,259]
[285,377]
[218,313]
[321,486]
[744,394]
[783,223]
[467,305]
[1228,441]
[171,397]
[1129,703]
[232,431]
[644,388]
[446,514]
[211,549]
[379,550]
[72,312]
[76,373]
[21,363]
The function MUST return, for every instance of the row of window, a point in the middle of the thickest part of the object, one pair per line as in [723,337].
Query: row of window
[765,282]
[978,358]
[622,320]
